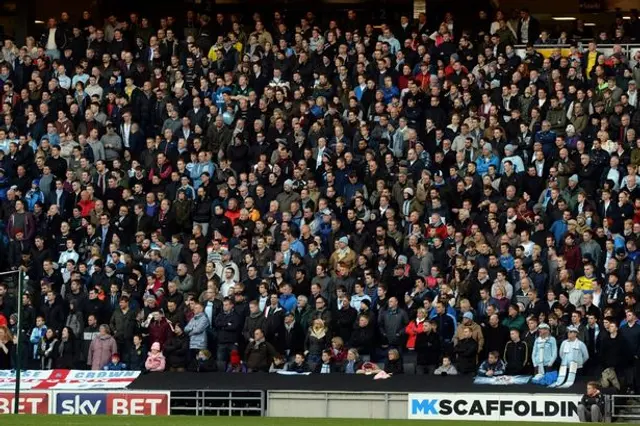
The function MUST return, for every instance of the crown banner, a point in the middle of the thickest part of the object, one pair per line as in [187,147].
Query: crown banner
[67,379]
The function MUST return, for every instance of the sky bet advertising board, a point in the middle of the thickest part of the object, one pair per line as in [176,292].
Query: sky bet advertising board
[499,407]
[111,403]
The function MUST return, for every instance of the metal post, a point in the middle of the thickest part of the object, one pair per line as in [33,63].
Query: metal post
[16,398]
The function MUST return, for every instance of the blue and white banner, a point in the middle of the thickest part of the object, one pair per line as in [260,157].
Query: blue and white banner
[502,380]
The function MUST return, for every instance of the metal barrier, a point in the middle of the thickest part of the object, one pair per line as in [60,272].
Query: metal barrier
[218,403]
[629,49]
[622,408]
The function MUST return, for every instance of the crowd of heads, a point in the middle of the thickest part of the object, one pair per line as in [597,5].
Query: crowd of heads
[229,192]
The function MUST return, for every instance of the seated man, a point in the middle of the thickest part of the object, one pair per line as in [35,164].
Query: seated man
[493,366]
[446,368]
[299,364]
[327,365]
[591,405]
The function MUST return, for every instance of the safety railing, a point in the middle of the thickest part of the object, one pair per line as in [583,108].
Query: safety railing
[218,403]
[628,49]
[623,408]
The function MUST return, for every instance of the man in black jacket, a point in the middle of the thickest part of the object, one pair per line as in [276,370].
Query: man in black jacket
[259,353]
[344,318]
[293,340]
[228,326]
[496,335]
[53,40]
[528,28]
[614,356]
[591,406]
[516,354]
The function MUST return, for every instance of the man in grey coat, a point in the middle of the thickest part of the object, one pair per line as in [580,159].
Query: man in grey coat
[392,322]
[112,143]
[196,329]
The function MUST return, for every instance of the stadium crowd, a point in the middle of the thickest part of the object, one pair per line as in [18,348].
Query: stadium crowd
[208,194]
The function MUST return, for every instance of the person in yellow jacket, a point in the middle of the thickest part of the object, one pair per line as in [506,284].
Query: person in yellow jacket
[215,51]
[588,280]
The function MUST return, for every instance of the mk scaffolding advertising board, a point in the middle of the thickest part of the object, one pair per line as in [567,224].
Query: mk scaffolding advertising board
[498,407]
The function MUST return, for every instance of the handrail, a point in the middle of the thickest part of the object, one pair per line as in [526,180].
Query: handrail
[629,49]
[566,46]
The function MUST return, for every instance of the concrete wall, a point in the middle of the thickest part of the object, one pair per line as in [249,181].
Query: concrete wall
[372,405]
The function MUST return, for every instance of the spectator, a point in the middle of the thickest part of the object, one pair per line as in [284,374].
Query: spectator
[227,324]
[516,354]
[299,364]
[466,352]
[159,328]
[278,364]
[476,330]
[259,353]
[176,349]
[392,325]
[544,351]
[393,363]
[137,354]
[495,334]
[156,361]
[203,362]
[614,355]
[493,366]
[115,364]
[37,334]
[591,406]
[573,355]
[446,368]
[48,349]
[123,324]
[67,355]
[6,346]
[196,329]
[317,340]
[102,348]
[352,364]
[326,364]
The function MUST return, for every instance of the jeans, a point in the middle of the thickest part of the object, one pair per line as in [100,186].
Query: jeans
[223,352]
[53,54]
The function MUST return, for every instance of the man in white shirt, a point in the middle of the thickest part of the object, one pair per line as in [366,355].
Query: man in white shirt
[69,254]
[125,129]
[53,40]
[632,93]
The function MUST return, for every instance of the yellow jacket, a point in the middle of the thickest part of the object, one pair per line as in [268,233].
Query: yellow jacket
[584,283]
[214,52]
